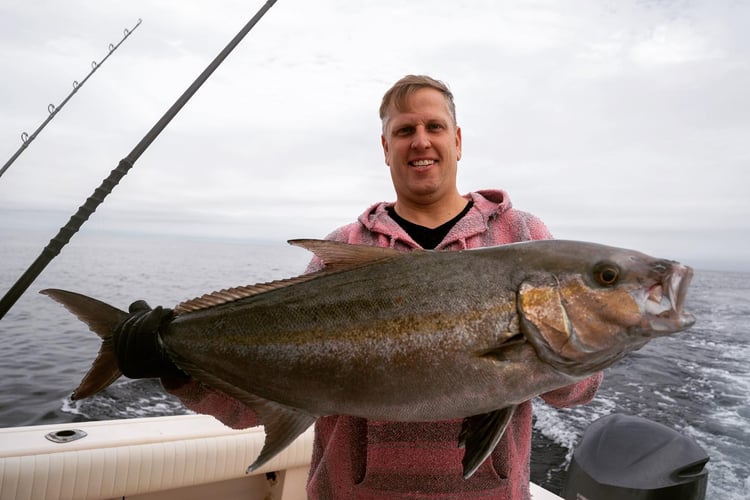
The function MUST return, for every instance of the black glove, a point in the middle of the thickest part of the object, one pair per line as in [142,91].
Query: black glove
[136,343]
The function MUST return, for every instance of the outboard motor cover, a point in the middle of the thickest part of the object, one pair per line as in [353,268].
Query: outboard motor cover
[625,457]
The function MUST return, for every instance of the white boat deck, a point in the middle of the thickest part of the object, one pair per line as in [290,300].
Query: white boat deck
[187,457]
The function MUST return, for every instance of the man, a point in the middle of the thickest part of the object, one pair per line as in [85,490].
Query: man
[357,458]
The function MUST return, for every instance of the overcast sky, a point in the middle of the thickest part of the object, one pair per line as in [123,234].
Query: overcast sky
[624,122]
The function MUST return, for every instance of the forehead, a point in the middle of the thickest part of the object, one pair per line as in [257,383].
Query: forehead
[422,104]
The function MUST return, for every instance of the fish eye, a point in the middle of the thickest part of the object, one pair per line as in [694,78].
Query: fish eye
[606,274]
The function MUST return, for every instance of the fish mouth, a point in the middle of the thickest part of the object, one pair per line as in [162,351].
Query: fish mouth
[665,299]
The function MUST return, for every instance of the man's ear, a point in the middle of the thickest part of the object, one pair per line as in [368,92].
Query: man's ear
[458,143]
[386,150]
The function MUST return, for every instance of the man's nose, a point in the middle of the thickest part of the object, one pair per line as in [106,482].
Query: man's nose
[421,139]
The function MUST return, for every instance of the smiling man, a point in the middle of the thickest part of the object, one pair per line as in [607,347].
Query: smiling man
[422,145]
[358,458]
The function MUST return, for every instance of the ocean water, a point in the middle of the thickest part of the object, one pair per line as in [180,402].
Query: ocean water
[696,382]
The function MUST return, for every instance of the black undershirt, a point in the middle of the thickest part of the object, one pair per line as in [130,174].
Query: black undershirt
[426,237]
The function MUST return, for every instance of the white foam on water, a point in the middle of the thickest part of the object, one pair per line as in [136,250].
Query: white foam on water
[126,399]
[71,407]
[565,426]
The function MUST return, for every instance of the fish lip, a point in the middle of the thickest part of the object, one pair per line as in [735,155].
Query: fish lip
[671,283]
[679,282]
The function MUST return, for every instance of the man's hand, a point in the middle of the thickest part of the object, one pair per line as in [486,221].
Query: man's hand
[136,343]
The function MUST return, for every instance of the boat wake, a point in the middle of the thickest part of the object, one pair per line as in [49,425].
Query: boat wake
[126,399]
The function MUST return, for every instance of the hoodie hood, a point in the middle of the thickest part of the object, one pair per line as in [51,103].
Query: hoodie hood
[488,204]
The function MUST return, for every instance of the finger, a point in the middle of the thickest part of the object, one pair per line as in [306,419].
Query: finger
[122,333]
[151,321]
[139,305]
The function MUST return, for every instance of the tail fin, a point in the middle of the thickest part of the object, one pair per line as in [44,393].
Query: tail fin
[101,319]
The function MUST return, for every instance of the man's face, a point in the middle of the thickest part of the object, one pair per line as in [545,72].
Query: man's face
[422,147]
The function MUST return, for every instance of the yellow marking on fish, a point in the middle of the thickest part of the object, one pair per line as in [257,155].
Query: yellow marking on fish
[575,319]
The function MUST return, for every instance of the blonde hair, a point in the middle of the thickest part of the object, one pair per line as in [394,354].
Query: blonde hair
[406,86]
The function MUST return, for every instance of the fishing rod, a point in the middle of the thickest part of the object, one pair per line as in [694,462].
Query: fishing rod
[27,139]
[92,202]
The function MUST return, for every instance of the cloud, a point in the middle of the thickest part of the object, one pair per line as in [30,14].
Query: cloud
[617,121]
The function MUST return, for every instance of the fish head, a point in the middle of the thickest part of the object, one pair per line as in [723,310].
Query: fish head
[601,303]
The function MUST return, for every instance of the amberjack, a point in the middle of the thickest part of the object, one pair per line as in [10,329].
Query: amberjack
[413,336]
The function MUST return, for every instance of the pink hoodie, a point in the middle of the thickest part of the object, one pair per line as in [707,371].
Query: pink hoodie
[357,458]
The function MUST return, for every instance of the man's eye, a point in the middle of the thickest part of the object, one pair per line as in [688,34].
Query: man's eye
[404,131]
[435,126]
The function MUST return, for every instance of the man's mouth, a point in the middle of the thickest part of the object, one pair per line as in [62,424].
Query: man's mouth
[421,163]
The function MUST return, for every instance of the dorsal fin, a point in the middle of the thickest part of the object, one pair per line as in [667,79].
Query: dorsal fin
[337,255]
[240,292]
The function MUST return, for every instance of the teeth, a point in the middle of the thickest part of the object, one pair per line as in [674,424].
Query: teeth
[422,163]
[658,303]
[664,302]
[655,293]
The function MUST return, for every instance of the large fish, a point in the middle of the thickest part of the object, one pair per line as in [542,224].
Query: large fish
[417,336]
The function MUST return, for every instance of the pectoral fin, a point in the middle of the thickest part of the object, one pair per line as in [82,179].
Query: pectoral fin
[479,436]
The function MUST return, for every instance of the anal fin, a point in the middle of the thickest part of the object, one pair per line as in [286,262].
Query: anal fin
[282,427]
[479,436]
[282,423]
